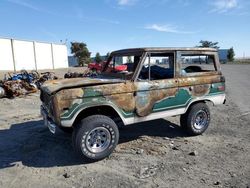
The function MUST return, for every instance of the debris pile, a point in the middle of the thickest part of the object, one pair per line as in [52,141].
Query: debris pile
[23,83]
[44,77]
[86,73]
[73,75]
[2,91]
[16,88]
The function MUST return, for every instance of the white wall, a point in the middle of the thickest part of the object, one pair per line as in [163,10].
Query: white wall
[60,56]
[43,56]
[6,58]
[24,55]
[31,55]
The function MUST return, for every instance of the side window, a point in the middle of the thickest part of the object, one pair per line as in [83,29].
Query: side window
[197,63]
[157,66]
[124,63]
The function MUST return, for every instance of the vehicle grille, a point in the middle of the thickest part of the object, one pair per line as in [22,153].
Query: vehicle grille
[47,101]
[44,96]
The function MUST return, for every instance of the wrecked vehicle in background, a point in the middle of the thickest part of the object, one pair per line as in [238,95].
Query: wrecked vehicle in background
[158,83]
[98,67]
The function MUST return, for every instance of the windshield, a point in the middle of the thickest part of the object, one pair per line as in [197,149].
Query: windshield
[122,66]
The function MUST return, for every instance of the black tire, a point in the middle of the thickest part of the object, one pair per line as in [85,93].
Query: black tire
[196,120]
[183,121]
[95,137]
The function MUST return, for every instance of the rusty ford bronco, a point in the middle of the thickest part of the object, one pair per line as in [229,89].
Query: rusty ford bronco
[157,83]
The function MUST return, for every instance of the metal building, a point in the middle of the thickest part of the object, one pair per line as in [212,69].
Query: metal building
[223,55]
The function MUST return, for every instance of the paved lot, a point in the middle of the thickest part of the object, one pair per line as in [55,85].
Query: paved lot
[238,85]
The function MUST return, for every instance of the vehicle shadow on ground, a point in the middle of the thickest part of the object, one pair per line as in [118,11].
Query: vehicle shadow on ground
[155,128]
[34,146]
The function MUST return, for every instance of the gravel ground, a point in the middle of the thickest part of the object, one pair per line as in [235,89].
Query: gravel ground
[151,154]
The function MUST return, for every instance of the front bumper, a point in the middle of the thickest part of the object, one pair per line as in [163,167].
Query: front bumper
[48,122]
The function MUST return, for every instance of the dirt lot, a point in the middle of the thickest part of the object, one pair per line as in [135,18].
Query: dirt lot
[152,154]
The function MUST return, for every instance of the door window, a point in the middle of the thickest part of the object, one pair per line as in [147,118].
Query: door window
[157,66]
[122,66]
[197,64]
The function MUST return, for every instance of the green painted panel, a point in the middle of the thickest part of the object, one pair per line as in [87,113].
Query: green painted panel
[173,102]
[92,101]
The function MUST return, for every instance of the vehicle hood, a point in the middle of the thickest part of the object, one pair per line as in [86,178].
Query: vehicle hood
[53,86]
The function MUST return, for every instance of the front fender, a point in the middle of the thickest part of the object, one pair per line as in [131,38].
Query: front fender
[67,120]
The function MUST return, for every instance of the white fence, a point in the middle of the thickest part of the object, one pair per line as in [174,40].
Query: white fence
[30,55]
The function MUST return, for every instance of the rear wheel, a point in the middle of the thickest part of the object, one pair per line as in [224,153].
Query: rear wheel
[196,120]
[95,137]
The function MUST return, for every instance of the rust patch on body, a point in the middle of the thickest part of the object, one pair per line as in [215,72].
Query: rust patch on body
[70,94]
[199,85]
[112,89]
[199,80]
[145,104]
[125,102]
[199,90]
[57,85]
[65,98]
[121,94]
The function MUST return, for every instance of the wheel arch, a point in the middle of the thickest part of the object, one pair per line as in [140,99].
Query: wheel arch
[103,109]
[206,101]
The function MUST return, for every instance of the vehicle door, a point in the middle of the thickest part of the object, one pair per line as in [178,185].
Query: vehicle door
[156,84]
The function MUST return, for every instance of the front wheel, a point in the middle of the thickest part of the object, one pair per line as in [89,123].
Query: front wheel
[95,137]
[196,120]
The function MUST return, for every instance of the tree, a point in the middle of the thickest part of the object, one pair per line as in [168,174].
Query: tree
[98,58]
[80,50]
[208,44]
[107,56]
[230,54]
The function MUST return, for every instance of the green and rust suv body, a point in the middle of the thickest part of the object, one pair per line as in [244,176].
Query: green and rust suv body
[158,83]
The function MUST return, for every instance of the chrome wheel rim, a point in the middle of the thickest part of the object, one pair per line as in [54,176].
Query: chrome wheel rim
[201,120]
[98,140]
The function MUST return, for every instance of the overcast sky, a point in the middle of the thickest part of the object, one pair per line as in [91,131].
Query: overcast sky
[107,25]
